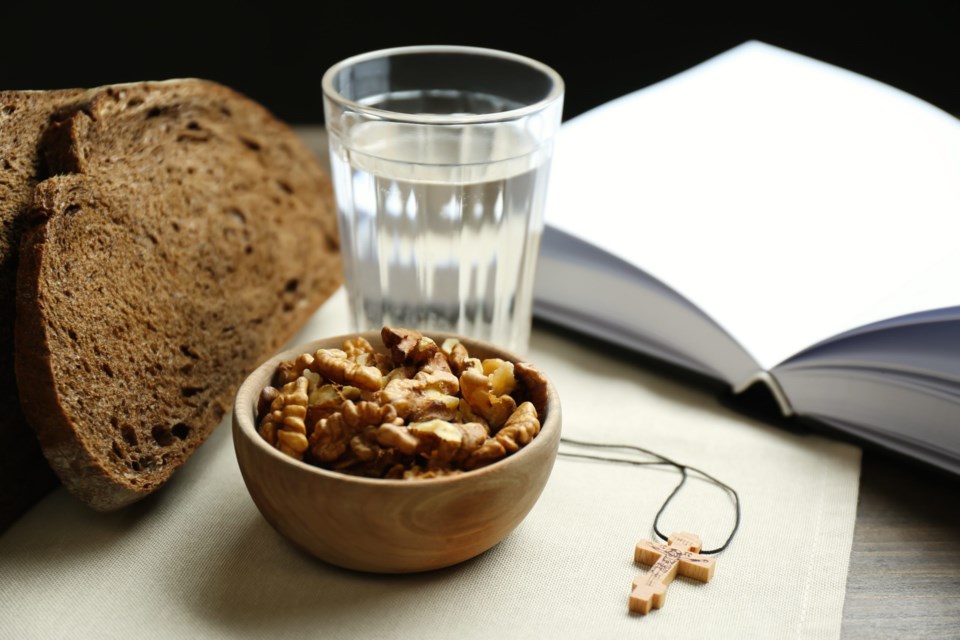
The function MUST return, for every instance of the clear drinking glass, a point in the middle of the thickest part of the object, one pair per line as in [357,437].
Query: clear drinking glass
[440,157]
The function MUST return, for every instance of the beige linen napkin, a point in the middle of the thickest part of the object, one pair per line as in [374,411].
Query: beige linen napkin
[196,560]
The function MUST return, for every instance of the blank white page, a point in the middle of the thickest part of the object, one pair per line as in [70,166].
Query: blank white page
[789,199]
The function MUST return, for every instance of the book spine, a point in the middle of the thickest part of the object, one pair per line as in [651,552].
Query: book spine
[771,383]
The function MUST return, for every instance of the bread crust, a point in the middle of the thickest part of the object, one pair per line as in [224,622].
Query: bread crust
[185,235]
[25,475]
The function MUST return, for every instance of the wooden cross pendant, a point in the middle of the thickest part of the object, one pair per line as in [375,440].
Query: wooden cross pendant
[681,553]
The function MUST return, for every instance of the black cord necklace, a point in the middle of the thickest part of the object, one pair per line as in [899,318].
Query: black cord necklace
[682,553]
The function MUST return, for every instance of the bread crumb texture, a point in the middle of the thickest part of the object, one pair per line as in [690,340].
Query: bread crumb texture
[184,235]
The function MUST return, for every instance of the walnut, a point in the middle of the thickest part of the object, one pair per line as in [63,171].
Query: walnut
[403,344]
[268,428]
[397,437]
[409,347]
[439,378]
[364,445]
[448,441]
[283,426]
[380,465]
[289,371]
[286,372]
[477,390]
[345,462]
[325,400]
[457,355]
[267,396]
[469,415]
[359,350]
[400,393]
[500,372]
[396,472]
[437,361]
[414,400]
[471,364]
[473,435]
[313,380]
[334,365]
[534,385]
[518,431]
[399,373]
[437,439]
[330,438]
[333,434]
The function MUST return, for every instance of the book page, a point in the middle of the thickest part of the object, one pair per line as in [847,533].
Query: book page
[642,314]
[789,199]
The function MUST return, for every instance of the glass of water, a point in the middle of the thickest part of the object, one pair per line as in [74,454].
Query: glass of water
[440,157]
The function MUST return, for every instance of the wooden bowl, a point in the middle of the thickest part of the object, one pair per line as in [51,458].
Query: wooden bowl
[390,526]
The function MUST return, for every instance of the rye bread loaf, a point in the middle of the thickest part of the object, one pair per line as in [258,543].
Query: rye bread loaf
[185,234]
[25,475]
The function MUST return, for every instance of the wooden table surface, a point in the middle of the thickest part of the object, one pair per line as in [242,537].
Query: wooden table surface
[904,574]
[904,579]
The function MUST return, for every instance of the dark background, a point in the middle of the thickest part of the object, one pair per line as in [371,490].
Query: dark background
[276,53]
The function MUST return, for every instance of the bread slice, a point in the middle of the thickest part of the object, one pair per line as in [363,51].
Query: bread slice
[25,475]
[184,236]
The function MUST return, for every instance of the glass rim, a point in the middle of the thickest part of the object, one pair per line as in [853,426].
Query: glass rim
[555,93]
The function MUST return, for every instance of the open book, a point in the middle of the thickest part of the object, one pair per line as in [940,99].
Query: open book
[767,217]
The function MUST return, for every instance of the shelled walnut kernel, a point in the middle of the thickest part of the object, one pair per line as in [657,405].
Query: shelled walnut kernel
[413,410]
